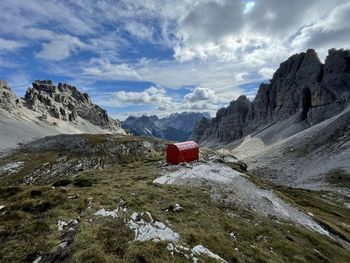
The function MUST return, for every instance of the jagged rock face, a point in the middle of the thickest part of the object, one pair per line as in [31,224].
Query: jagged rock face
[228,123]
[301,87]
[176,127]
[8,99]
[66,103]
[200,129]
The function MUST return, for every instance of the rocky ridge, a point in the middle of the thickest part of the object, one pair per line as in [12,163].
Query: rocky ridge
[66,102]
[48,109]
[302,89]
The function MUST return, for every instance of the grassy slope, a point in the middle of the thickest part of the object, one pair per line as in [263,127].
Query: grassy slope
[28,227]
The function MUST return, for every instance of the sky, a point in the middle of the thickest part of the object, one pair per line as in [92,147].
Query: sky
[136,57]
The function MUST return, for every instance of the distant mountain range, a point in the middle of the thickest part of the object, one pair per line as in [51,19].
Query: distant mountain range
[176,127]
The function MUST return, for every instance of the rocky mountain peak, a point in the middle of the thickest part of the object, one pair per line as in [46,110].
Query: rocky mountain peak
[302,87]
[8,99]
[67,103]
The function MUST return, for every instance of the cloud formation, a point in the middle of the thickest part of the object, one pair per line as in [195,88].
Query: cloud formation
[201,94]
[60,48]
[152,95]
[214,45]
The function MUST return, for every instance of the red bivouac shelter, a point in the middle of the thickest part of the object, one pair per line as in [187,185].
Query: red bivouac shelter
[182,152]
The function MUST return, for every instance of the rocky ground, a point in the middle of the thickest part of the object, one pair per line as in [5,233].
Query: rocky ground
[316,158]
[109,198]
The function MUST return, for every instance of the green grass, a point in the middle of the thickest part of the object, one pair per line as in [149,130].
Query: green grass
[28,224]
[326,207]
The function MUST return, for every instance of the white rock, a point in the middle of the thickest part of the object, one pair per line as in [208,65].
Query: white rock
[134,216]
[201,250]
[62,245]
[239,190]
[61,224]
[11,167]
[73,222]
[170,247]
[72,196]
[104,213]
[230,159]
[178,208]
[37,260]
[155,231]
[2,207]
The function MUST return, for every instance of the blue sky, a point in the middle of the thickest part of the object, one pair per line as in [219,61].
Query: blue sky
[162,56]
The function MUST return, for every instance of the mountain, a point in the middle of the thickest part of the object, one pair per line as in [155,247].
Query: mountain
[282,133]
[176,127]
[113,198]
[47,109]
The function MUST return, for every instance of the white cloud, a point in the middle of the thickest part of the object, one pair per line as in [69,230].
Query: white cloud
[332,31]
[201,94]
[198,100]
[104,69]
[38,33]
[9,45]
[60,48]
[152,95]
[248,7]
[140,31]
[266,72]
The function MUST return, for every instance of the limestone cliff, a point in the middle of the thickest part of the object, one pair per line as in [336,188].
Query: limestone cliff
[302,88]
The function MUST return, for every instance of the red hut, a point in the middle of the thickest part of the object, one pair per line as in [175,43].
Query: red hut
[182,152]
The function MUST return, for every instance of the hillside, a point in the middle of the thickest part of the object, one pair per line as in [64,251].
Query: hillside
[47,109]
[296,131]
[175,127]
[111,198]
